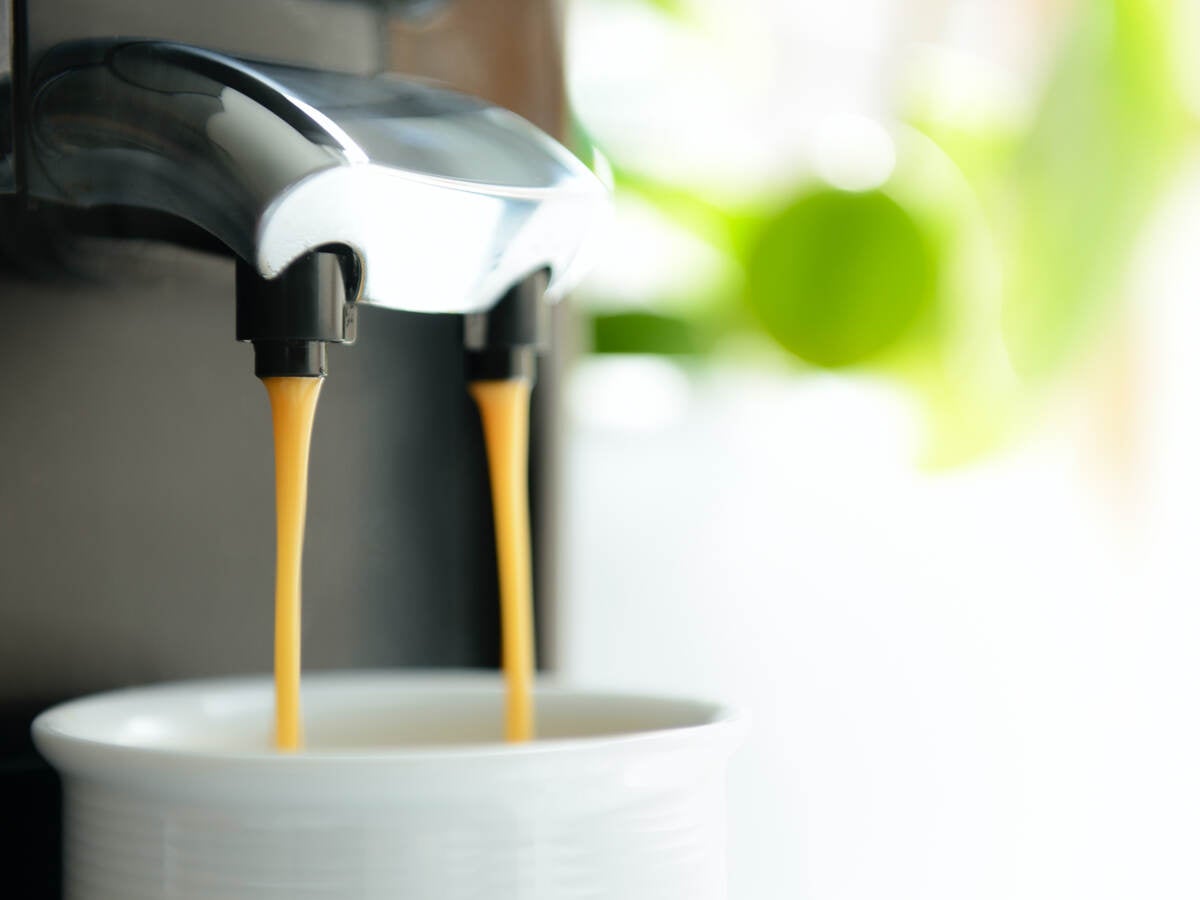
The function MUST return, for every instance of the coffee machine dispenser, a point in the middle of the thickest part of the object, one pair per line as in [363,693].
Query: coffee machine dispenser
[175,174]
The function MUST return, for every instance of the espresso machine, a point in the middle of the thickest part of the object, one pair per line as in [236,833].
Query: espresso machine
[175,175]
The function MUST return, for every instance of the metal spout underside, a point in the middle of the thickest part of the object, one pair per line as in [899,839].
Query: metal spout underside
[445,200]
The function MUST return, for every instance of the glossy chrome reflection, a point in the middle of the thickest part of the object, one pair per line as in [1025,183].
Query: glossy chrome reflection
[446,201]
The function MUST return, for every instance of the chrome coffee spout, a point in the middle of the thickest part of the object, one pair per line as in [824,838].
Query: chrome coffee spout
[427,200]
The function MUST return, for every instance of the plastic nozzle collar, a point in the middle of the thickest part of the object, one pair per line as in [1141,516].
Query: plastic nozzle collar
[503,342]
[291,318]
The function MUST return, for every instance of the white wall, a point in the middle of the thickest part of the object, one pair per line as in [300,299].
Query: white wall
[969,685]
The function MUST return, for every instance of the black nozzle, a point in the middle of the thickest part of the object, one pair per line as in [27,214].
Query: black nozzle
[504,341]
[295,358]
[291,318]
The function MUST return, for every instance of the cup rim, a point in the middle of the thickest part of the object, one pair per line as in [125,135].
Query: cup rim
[55,732]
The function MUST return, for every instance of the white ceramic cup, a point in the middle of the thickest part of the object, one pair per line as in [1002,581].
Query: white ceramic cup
[404,791]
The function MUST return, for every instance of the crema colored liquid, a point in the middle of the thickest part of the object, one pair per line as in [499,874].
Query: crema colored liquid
[293,404]
[504,409]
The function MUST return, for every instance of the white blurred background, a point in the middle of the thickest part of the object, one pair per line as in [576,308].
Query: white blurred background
[968,682]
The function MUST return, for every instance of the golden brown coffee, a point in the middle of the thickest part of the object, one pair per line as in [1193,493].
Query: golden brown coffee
[293,405]
[504,409]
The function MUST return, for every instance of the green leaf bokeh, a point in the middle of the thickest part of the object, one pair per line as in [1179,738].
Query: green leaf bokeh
[837,278]
[993,257]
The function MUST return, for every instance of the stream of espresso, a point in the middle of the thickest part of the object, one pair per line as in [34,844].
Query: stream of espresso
[293,405]
[504,410]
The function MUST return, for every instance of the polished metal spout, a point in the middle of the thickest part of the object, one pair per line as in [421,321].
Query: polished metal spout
[442,201]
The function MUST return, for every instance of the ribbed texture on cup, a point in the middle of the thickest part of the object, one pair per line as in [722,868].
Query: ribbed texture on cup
[635,843]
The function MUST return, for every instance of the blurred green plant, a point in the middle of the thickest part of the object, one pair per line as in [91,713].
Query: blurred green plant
[837,277]
[993,255]
[1102,147]
[639,331]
